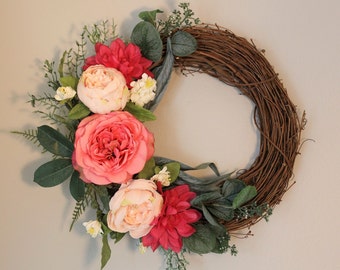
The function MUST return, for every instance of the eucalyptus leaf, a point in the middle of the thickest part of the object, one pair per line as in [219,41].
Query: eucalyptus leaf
[54,142]
[79,111]
[183,44]
[53,172]
[69,81]
[77,187]
[139,112]
[202,241]
[147,38]
[245,195]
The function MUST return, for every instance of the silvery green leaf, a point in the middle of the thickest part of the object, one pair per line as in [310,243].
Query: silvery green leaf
[183,44]
[147,38]
[163,77]
[202,241]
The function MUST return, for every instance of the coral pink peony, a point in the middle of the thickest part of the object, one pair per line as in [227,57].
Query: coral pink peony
[174,221]
[133,208]
[127,59]
[110,148]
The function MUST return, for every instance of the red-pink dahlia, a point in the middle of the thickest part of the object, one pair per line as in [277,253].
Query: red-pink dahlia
[174,221]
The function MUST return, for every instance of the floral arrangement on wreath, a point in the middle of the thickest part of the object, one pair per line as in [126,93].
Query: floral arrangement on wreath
[98,141]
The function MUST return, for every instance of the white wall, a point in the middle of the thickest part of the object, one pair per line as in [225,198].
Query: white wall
[302,41]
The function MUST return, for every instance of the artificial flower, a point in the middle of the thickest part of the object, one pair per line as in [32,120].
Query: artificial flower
[127,59]
[93,227]
[103,89]
[163,177]
[174,221]
[111,148]
[64,93]
[133,208]
[143,90]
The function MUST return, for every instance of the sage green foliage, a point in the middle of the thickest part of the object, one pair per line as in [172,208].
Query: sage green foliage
[79,111]
[183,44]
[151,168]
[139,112]
[174,260]
[147,38]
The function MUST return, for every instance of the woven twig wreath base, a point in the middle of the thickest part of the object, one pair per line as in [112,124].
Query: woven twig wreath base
[238,63]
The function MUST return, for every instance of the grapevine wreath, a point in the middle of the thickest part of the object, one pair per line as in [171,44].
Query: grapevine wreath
[96,111]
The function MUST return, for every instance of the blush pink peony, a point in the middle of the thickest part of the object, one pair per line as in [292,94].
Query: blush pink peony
[111,148]
[103,89]
[133,208]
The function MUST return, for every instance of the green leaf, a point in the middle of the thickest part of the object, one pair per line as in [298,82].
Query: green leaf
[244,196]
[209,217]
[53,172]
[69,81]
[173,168]
[183,44]
[139,112]
[147,38]
[61,64]
[54,142]
[106,251]
[79,111]
[77,187]
[116,236]
[202,241]
[232,187]
[221,210]
[149,16]
[148,170]
[163,76]
[206,198]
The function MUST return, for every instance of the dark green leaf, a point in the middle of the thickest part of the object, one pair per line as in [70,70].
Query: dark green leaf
[148,170]
[183,44]
[147,38]
[209,217]
[117,236]
[106,251]
[54,142]
[53,172]
[69,81]
[149,16]
[202,241]
[206,198]
[139,112]
[224,212]
[77,187]
[232,187]
[78,112]
[244,196]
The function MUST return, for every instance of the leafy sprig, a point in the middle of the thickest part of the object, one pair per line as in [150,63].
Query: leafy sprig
[183,17]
